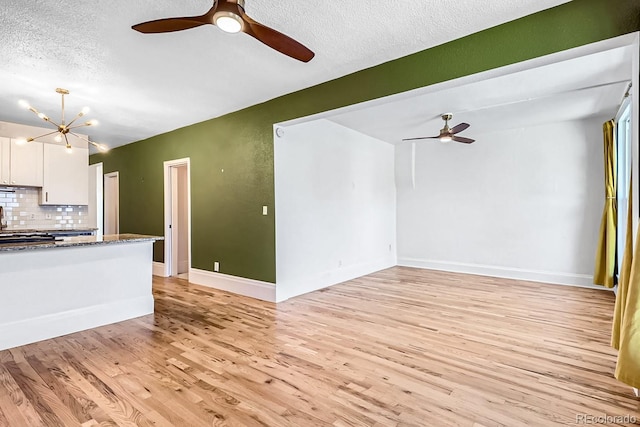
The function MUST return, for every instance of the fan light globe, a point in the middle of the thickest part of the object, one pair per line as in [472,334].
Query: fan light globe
[445,139]
[229,23]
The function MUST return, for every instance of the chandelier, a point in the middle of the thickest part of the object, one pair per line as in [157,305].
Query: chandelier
[63,129]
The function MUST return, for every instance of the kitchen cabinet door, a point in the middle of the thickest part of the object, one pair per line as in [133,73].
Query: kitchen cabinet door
[26,163]
[5,161]
[65,176]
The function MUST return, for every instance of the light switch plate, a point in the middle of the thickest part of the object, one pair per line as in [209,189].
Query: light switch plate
[264,210]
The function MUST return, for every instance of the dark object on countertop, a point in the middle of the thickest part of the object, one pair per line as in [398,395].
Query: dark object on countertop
[27,238]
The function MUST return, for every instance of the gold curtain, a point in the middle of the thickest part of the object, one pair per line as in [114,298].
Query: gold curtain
[625,276]
[626,321]
[606,255]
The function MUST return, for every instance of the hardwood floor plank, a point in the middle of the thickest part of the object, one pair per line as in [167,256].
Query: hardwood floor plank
[14,398]
[401,347]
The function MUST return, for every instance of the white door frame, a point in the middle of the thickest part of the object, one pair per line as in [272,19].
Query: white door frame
[97,202]
[169,165]
[115,175]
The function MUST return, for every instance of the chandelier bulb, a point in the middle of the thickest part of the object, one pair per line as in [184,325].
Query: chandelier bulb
[58,138]
[92,122]
[69,149]
[21,141]
[24,104]
[85,110]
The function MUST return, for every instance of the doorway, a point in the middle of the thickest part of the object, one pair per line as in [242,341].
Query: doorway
[112,203]
[177,239]
[623,150]
[95,214]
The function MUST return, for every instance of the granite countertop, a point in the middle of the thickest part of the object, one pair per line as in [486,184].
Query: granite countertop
[46,230]
[75,241]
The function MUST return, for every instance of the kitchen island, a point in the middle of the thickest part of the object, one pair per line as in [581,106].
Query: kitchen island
[58,287]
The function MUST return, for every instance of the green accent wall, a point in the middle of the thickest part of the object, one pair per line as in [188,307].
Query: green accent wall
[227,221]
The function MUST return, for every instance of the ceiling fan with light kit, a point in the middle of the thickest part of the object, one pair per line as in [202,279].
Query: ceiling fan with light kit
[448,134]
[230,17]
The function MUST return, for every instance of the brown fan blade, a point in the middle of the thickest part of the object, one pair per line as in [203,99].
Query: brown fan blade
[276,40]
[462,139]
[459,128]
[422,137]
[168,25]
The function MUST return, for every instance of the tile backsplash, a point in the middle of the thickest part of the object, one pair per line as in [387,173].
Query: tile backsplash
[22,211]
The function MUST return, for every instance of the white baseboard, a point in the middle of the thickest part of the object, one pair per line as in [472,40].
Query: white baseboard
[158,269]
[27,331]
[291,287]
[580,280]
[238,285]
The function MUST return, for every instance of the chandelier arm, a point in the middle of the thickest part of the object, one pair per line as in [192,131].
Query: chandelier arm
[100,147]
[80,114]
[67,140]
[45,118]
[48,120]
[77,126]
[79,136]
[41,136]
[33,110]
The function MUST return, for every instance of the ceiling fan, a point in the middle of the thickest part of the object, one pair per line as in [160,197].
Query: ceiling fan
[448,134]
[229,16]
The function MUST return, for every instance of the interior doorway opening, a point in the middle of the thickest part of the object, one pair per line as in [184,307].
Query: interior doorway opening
[624,160]
[95,214]
[177,195]
[112,203]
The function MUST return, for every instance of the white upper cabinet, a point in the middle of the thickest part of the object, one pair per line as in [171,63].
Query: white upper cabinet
[26,163]
[5,161]
[21,164]
[65,176]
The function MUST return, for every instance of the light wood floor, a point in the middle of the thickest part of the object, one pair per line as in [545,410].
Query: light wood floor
[400,347]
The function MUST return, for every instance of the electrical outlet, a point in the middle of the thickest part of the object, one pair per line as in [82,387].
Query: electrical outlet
[47,216]
[216,266]
[32,216]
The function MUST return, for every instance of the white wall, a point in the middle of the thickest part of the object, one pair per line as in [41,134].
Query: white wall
[520,203]
[335,207]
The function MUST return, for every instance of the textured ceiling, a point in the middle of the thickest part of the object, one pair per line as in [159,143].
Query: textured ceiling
[141,85]
[587,86]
